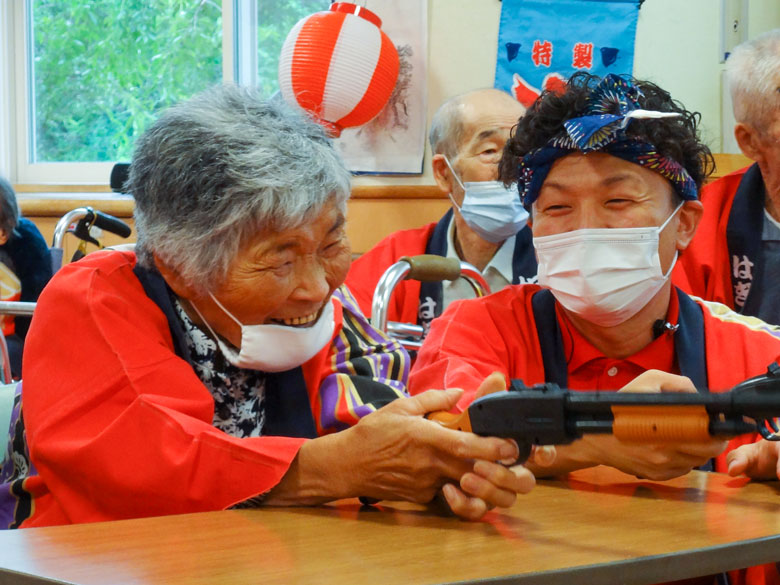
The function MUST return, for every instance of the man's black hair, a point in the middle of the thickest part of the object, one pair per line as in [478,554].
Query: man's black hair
[675,138]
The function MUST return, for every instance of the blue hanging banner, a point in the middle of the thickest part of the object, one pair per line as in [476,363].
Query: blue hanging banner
[541,43]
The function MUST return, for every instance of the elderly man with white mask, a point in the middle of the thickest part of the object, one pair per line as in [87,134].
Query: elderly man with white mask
[486,225]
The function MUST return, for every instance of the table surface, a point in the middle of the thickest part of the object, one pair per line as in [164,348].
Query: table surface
[595,526]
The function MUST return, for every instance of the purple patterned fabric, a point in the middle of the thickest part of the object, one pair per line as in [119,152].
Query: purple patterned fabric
[365,363]
[612,105]
[16,467]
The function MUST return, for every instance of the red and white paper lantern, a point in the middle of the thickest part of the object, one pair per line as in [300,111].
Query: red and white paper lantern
[339,66]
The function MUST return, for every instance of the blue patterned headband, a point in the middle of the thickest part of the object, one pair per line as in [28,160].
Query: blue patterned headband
[604,132]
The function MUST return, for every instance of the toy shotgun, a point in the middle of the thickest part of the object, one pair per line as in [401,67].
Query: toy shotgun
[545,414]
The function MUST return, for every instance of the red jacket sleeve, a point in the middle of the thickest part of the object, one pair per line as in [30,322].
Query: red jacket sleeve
[476,337]
[365,272]
[118,425]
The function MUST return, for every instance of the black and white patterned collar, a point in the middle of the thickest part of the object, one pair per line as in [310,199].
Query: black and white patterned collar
[238,393]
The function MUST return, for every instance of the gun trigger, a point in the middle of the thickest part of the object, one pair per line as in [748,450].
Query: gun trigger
[524,452]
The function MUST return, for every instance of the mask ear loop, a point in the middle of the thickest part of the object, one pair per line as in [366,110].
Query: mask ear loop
[206,323]
[668,219]
[228,313]
[457,178]
[660,229]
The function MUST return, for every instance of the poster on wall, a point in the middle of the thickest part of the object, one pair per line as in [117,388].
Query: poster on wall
[394,141]
[541,43]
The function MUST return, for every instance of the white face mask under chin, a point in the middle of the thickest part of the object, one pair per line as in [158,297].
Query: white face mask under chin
[605,276]
[276,348]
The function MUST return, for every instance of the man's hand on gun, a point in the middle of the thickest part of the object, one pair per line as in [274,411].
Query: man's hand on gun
[656,461]
[658,426]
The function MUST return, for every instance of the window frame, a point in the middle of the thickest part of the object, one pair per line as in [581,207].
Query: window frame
[239,65]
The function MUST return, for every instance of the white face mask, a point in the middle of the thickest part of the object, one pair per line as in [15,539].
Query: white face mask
[603,275]
[276,348]
[490,209]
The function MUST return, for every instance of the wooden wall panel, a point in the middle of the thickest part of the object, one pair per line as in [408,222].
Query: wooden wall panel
[373,211]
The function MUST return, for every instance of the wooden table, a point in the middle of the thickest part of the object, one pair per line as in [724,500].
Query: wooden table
[597,526]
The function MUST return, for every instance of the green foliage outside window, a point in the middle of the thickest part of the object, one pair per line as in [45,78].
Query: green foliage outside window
[275,18]
[103,69]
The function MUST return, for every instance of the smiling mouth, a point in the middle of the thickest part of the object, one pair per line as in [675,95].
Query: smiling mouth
[298,321]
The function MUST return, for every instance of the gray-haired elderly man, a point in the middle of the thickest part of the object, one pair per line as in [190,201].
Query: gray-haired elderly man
[735,257]
[486,225]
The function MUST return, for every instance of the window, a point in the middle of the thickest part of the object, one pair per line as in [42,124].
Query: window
[274,21]
[89,76]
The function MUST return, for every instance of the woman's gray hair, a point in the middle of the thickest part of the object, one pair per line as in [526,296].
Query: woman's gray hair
[9,209]
[753,73]
[215,169]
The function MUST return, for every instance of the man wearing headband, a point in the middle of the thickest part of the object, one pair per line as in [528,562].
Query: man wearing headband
[610,171]
[735,257]
[486,225]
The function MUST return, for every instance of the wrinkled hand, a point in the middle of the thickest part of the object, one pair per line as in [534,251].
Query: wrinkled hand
[478,490]
[759,460]
[654,461]
[395,453]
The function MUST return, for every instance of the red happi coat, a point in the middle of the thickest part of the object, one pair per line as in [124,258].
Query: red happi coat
[708,268]
[119,425]
[365,272]
[476,337]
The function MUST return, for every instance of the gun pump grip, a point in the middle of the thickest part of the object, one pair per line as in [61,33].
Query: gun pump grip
[661,424]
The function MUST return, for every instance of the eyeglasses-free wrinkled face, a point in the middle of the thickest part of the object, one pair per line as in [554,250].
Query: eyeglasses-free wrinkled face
[282,278]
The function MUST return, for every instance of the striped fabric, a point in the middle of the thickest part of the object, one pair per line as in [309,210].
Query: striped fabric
[726,315]
[368,370]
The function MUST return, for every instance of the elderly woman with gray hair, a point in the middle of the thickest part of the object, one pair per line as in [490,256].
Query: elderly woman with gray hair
[222,364]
